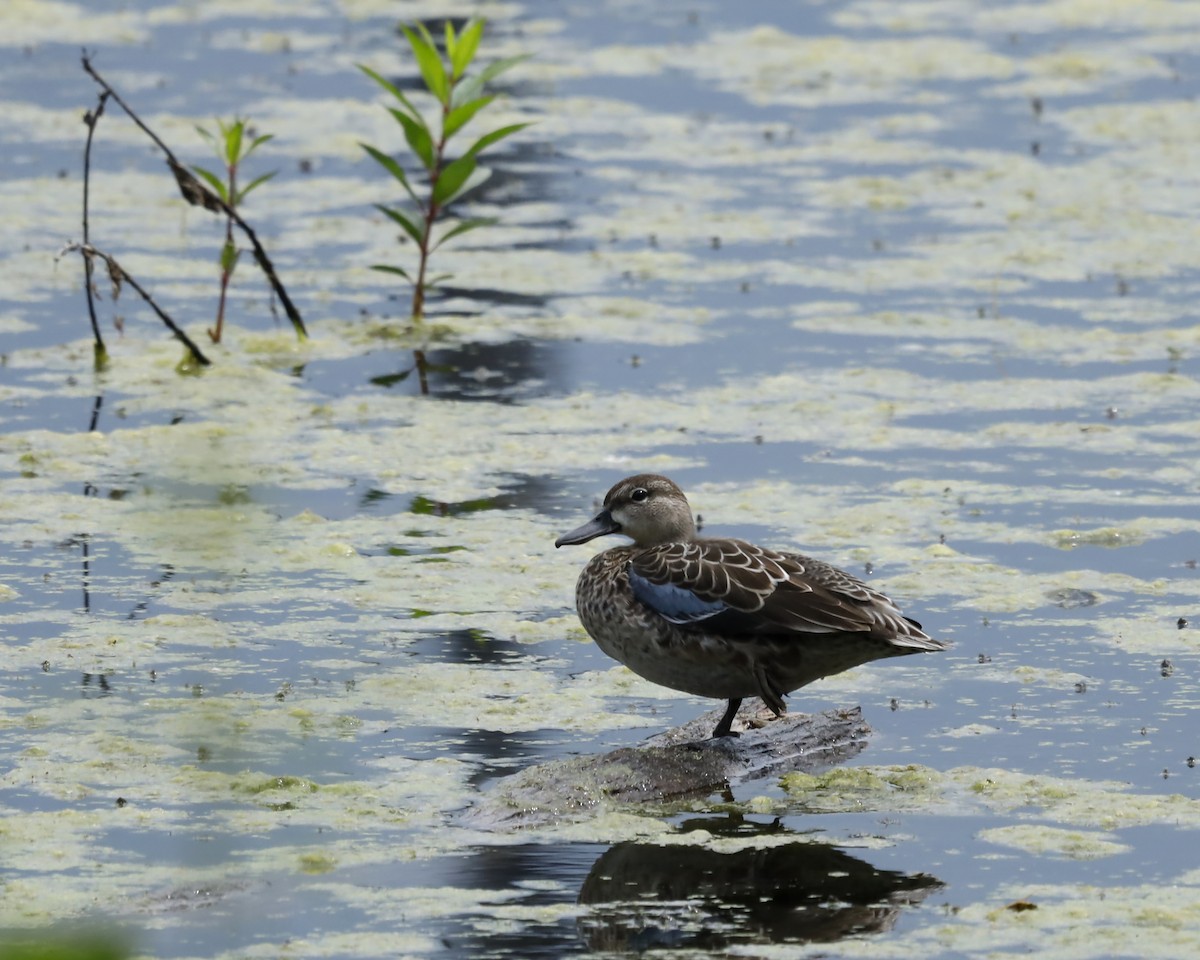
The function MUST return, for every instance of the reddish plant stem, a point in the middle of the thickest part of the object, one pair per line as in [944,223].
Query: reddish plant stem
[226,270]
[431,212]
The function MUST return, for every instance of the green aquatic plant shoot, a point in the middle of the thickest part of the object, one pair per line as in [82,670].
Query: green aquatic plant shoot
[232,143]
[460,98]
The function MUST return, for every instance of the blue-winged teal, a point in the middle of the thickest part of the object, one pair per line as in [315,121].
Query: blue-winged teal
[720,617]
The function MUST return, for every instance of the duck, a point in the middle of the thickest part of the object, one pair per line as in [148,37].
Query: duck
[720,617]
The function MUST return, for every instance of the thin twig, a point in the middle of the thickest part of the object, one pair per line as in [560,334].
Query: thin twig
[422,371]
[91,119]
[87,65]
[96,405]
[118,275]
[197,194]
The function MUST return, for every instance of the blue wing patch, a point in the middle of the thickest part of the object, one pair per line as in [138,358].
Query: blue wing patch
[676,604]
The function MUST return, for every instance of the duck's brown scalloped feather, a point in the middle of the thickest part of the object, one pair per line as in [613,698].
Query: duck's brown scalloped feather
[772,593]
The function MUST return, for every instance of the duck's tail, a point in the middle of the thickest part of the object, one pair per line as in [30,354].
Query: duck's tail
[915,639]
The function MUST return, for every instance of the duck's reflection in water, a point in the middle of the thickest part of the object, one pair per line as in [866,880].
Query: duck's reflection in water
[643,896]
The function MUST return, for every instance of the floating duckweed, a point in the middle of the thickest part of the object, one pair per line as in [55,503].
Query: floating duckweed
[347,726]
[1045,840]
[913,778]
[317,863]
[303,718]
[1080,803]
[1100,537]
[842,783]
[296,784]
[1156,917]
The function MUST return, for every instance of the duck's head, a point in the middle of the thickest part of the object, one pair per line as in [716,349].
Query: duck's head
[647,508]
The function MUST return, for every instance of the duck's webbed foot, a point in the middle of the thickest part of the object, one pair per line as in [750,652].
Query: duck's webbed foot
[725,727]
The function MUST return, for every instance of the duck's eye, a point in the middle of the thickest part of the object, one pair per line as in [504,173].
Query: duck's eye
[640,495]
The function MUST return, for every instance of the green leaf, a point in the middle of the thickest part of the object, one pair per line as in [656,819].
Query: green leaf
[471,87]
[423,30]
[256,182]
[390,88]
[405,223]
[451,40]
[457,118]
[388,163]
[468,89]
[385,268]
[233,142]
[493,70]
[392,167]
[213,181]
[420,140]
[256,143]
[229,258]
[429,62]
[463,227]
[434,281]
[390,380]
[464,51]
[451,179]
[494,137]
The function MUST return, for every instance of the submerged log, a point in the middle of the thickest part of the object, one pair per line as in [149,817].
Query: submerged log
[682,763]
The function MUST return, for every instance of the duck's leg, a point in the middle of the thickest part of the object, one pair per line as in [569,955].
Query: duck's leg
[724,728]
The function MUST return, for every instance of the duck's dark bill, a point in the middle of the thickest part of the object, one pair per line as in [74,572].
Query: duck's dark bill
[601,524]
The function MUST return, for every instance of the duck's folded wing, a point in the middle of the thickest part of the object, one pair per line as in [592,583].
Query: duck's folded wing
[675,603]
[737,588]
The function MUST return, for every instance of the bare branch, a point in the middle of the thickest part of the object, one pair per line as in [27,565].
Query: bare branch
[197,194]
[91,119]
[119,275]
